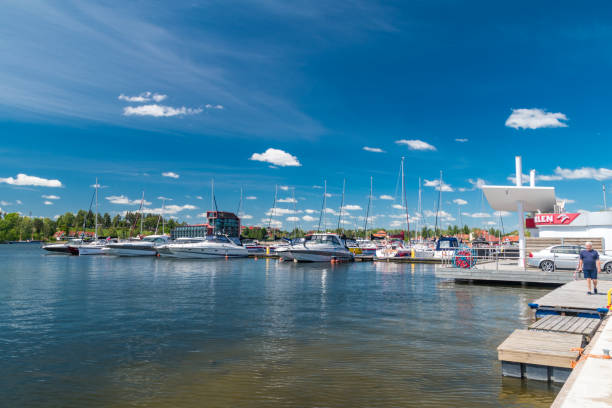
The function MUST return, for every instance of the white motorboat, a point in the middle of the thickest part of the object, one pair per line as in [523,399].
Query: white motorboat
[89,248]
[136,247]
[210,248]
[320,247]
[394,249]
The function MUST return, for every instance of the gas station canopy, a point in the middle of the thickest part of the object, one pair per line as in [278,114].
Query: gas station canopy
[506,198]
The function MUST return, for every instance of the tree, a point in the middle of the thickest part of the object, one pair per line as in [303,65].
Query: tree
[106,220]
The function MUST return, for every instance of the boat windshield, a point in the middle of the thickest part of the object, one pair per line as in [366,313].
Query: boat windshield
[325,239]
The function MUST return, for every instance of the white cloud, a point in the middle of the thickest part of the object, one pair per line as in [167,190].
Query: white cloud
[287,200]
[159,111]
[170,209]
[284,188]
[398,206]
[143,97]
[397,223]
[436,184]
[566,200]
[478,183]
[18,202]
[50,197]
[331,211]
[460,201]
[584,173]
[5,203]
[48,203]
[373,149]
[534,119]
[277,157]
[246,217]
[352,207]
[478,215]
[309,211]
[170,174]
[25,180]
[293,218]
[461,140]
[308,218]
[328,195]
[280,211]
[415,144]
[250,198]
[121,199]
[199,198]
[441,214]
[491,223]
[210,106]
[385,197]
[502,213]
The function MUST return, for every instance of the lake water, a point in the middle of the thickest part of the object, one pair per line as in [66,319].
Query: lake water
[117,332]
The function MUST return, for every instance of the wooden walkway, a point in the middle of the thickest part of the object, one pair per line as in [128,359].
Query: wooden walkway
[584,326]
[573,297]
[541,348]
[509,272]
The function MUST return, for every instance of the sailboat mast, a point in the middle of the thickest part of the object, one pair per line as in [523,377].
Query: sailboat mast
[273,207]
[341,204]
[141,211]
[324,205]
[365,225]
[162,215]
[405,200]
[322,214]
[419,210]
[96,222]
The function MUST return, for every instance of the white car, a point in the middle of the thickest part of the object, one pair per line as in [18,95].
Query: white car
[563,257]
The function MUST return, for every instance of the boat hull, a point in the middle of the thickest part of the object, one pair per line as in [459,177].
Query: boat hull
[57,248]
[130,250]
[307,255]
[202,253]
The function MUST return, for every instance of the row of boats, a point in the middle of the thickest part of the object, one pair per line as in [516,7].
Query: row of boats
[318,247]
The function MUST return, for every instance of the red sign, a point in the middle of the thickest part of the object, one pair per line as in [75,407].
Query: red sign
[555,219]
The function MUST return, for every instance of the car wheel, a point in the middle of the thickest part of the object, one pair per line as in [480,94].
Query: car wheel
[547,266]
[608,267]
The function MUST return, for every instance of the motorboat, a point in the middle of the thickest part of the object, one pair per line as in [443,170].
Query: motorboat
[62,248]
[367,247]
[394,249]
[90,248]
[219,246]
[136,247]
[320,247]
[253,246]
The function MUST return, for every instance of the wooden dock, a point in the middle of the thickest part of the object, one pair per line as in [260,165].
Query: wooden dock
[572,298]
[539,355]
[407,259]
[552,346]
[506,271]
[584,326]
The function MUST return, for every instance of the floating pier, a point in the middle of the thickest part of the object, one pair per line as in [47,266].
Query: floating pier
[567,320]
[506,271]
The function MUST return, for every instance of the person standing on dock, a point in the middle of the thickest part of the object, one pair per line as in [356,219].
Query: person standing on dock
[589,264]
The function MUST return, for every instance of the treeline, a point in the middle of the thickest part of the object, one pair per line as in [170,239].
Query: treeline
[15,227]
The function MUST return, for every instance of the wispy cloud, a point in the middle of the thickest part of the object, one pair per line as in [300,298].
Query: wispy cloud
[25,180]
[386,197]
[461,140]
[415,144]
[50,197]
[599,174]
[143,97]
[308,218]
[436,184]
[460,201]
[287,200]
[352,207]
[170,174]
[535,119]
[48,203]
[121,199]
[170,209]
[250,198]
[373,149]
[159,111]
[210,106]
[276,157]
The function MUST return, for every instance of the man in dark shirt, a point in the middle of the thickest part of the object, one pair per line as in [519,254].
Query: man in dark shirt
[590,265]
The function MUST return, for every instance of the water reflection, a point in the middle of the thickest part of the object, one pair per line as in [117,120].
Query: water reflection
[98,331]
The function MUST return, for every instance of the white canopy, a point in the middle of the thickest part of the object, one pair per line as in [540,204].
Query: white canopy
[505,198]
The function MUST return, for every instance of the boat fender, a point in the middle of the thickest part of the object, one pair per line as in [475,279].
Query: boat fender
[533,305]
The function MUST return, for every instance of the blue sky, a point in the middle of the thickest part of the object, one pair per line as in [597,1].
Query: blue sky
[128,91]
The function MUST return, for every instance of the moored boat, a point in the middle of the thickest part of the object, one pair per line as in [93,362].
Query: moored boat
[210,248]
[146,246]
[319,247]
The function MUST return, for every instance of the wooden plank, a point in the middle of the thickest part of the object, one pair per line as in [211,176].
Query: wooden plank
[540,347]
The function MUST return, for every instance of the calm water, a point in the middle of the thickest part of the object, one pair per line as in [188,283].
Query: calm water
[119,332]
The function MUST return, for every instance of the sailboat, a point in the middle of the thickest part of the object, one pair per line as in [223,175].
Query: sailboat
[96,247]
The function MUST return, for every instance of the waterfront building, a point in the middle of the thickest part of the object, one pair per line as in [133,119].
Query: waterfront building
[219,222]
